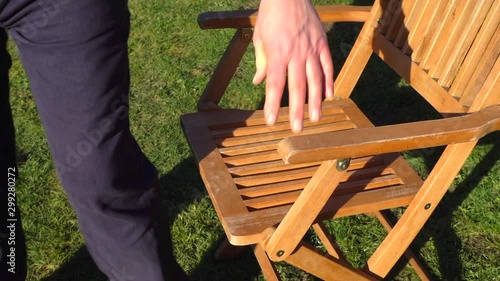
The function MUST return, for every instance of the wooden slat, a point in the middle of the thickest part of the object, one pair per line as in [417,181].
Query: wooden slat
[422,21]
[282,126]
[476,51]
[463,38]
[411,11]
[489,93]
[357,117]
[232,118]
[350,109]
[279,165]
[442,33]
[365,163]
[350,187]
[249,148]
[397,19]
[254,226]
[257,157]
[267,167]
[450,38]
[484,66]
[378,140]
[388,10]
[274,135]
[418,79]
[248,181]
[361,177]
[401,168]
[248,18]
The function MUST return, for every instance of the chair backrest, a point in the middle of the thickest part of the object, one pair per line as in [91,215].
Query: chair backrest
[446,50]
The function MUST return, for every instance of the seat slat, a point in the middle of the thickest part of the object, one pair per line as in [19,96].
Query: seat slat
[257,157]
[276,177]
[279,165]
[249,148]
[267,167]
[250,228]
[232,118]
[343,125]
[275,188]
[343,188]
[281,126]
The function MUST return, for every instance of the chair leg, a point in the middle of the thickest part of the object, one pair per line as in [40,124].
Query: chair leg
[267,266]
[420,209]
[227,251]
[328,241]
[409,255]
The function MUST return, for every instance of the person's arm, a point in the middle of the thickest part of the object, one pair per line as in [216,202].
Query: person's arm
[289,38]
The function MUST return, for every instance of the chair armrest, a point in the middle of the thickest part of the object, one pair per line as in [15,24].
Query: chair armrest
[393,138]
[247,18]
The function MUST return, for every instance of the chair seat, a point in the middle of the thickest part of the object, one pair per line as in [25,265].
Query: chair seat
[251,187]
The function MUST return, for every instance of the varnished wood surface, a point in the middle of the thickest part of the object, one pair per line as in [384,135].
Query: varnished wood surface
[247,18]
[393,138]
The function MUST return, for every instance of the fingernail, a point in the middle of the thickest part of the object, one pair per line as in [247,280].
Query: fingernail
[297,126]
[271,119]
[315,115]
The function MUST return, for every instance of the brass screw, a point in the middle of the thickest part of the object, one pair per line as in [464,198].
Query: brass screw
[427,206]
[280,253]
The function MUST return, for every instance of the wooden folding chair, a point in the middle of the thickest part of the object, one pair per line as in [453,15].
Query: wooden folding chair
[269,186]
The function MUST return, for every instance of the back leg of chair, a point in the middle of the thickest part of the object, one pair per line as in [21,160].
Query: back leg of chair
[267,266]
[227,251]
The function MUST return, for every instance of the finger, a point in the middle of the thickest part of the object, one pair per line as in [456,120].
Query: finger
[327,66]
[275,83]
[260,63]
[314,75]
[297,85]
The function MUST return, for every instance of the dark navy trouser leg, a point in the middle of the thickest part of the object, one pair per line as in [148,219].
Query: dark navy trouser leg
[75,55]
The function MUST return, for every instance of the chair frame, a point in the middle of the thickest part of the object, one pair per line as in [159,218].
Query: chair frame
[474,117]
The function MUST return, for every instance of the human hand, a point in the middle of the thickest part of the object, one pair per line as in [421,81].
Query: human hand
[289,37]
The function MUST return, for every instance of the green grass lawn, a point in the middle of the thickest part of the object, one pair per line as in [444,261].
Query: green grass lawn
[171,61]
